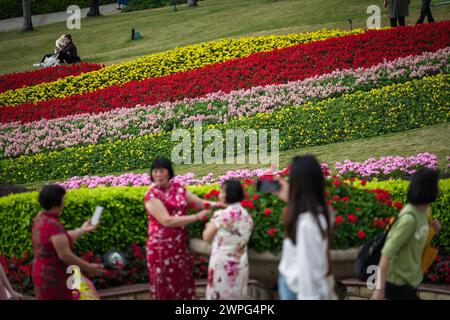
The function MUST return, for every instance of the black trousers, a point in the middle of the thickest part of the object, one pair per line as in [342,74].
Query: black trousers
[426,12]
[401,21]
[405,292]
[64,57]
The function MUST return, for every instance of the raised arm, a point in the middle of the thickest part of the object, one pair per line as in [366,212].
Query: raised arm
[159,211]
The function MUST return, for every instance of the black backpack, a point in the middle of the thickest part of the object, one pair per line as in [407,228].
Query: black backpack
[370,253]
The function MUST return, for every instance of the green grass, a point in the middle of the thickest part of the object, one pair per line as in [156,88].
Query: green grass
[433,139]
[107,39]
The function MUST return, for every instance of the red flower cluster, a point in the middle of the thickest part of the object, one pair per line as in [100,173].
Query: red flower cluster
[352,218]
[361,234]
[384,197]
[248,204]
[267,211]
[13,81]
[274,67]
[272,231]
[213,193]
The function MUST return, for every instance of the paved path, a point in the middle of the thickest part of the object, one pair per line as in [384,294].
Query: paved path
[48,18]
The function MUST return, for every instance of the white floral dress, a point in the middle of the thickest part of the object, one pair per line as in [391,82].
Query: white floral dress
[228,265]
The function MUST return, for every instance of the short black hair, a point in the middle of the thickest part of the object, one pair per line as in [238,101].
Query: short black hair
[162,163]
[423,188]
[68,36]
[233,190]
[51,196]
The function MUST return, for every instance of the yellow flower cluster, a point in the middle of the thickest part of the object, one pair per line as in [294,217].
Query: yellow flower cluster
[161,64]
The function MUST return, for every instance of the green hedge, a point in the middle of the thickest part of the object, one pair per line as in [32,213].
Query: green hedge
[13,8]
[440,209]
[124,220]
[395,108]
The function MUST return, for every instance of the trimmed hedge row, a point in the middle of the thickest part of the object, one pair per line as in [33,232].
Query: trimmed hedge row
[395,108]
[359,214]
[13,8]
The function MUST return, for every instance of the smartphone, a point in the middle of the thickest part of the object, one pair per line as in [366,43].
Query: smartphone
[96,217]
[268,186]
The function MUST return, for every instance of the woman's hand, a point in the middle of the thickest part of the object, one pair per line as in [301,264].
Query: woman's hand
[95,269]
[88,227]
[378,294]
[283,194]
[16,296]
[212,204]
[203,215]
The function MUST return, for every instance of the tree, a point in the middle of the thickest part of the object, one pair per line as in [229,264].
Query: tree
[94,11]
[27,22]
[192,3]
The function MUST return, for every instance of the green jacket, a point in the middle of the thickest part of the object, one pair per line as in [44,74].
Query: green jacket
[404,247]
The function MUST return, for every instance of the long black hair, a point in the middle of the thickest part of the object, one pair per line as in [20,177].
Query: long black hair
[306,194]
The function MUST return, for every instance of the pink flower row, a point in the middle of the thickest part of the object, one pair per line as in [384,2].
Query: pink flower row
[35,137]
[408,165]
[387,166]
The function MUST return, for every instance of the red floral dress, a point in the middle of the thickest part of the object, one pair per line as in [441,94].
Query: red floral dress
[49,272]
[169,260]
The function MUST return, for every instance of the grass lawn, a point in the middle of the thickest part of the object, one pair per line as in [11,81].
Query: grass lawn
[433,139]
[107,39]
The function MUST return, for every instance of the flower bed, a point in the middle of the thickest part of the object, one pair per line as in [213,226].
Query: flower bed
[386,167]
[275,67]
[361,212]
[161,64]
[19,80]
[392,168]
[215,108]
[395,108]
[134,272]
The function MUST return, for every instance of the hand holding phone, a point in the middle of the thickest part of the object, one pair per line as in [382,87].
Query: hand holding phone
[97,214]
[268,186]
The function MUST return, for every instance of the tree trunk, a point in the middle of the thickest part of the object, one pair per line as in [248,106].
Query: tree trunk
[94,11]
[192,3]
[27,23]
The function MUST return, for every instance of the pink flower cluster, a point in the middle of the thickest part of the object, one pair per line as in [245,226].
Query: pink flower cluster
[35,137]
[369,168]
[387,166]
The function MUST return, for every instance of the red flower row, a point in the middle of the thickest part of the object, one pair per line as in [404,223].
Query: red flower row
[275,67]
[30,78]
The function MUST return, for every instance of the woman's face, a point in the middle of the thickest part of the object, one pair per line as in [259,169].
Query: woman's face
[222,195]
[160,176]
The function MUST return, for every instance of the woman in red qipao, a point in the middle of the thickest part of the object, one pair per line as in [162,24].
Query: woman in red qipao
[52,247]
[169,260]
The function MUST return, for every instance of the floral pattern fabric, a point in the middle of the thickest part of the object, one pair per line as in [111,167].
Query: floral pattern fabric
[228,265]
[49,272]
[169,260]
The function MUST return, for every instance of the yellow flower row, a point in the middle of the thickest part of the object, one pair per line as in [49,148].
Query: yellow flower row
[161,64]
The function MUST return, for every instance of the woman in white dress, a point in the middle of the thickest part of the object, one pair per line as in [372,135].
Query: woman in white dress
[230,229]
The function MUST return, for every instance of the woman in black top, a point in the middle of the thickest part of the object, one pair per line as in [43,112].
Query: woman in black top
[69,53]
